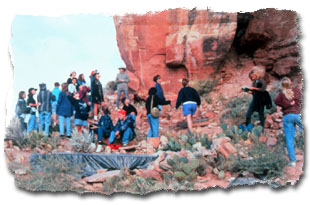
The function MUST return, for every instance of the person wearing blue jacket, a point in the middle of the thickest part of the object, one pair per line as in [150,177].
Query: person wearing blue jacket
[64,110]
[123,129]
[56,91]
[105,124]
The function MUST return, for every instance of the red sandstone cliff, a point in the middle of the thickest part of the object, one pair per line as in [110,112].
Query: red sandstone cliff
[180,43]
[175,43]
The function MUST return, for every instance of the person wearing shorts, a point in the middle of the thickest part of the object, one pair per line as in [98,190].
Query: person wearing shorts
[190,99]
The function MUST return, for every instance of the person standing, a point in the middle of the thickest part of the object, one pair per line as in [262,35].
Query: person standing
[97,95]
[290,102]
[81,112]
[64,110]
[151,102]
[122,80]
[257,103]
[21,110]
[45,108]
[56,91]
[31,102]
[190,99]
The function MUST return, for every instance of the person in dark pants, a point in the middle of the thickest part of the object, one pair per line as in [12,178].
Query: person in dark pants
[290,102]
[21,110]
[105,125]
[190,99]
[257,104]
[160,92]
[97,95]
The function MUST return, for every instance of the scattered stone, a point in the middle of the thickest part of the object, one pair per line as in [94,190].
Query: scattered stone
[101,177]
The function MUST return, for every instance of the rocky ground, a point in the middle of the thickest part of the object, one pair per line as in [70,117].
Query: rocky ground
[184,162]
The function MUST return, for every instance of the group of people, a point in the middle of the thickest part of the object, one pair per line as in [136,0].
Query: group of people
[289,99]
[85,103]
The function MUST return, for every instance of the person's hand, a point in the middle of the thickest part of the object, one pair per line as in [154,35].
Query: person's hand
[132,113]
[117,133]
[38,104]
[250,92]
[88,103]
[293,102]
[102,103]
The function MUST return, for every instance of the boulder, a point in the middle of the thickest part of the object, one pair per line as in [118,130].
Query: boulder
[101,177]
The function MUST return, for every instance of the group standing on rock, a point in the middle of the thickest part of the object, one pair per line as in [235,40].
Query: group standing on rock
[73,99]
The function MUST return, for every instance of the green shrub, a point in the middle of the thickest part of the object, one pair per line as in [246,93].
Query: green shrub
[204,87]
[261,161]
[59,175]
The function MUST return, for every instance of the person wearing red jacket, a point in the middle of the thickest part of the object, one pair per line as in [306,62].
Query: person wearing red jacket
[290,102]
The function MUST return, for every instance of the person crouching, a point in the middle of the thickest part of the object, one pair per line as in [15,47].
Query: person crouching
[123,129]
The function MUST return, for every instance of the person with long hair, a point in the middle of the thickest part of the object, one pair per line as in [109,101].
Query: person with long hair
[190,99]
[81,80]
[31,102]
[153,101]
[21,110]
[257,103]
[72,75]
[97,95]
[290,102]
[64,110]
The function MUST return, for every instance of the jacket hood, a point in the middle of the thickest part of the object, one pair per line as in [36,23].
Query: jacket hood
[42,86]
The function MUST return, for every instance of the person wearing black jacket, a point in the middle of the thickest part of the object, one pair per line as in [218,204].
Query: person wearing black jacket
[97,95]
[190,99]
[257,104]
[154,122]
[21,110]
[81,111]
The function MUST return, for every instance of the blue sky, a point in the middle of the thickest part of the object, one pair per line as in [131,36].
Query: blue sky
[47,49]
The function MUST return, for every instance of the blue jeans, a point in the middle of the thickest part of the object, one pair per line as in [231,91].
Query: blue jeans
[289,123]
[119,92]
[134,119]
[62,120]
[103,132]
[44,121]
[154,126]
[32,124]
[127,136]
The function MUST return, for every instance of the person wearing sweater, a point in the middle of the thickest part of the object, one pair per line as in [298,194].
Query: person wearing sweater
[290,102]
[124,129]
[122,80]
[153,121]
[190,99]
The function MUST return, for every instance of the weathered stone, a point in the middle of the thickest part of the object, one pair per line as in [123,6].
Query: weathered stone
[101,177]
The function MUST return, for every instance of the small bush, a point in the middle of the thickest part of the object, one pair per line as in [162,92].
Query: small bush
[81,142]
[204,87]
[237,108]
[58,174]
[261,161]
[13,132]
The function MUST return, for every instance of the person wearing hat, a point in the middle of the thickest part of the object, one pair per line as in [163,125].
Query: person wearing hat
[72,75]
[122,80]
[45,97]
[97,94]
[123,129]
[31,102]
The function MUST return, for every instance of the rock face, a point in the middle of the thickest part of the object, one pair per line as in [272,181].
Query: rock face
[175,43]
[273,34]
